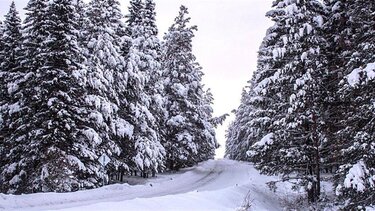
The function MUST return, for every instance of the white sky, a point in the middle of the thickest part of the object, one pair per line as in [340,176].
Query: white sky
[226,44]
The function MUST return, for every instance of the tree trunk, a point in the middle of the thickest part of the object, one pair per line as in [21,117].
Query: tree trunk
[316,184]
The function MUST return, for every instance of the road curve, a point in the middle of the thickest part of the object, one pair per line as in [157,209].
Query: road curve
[210,176]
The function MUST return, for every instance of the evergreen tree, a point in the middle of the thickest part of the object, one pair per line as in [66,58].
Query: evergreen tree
[266,102]
[339,49]
[135,15]
[150,17]
[9,63]
[208,110]
[263,104]
[134,18]
[189,132]
[2,85]
[237,143]
[152,53]
[143,95]
[51,122]
[298,135]
[20,121]
[106,79]
[355,178]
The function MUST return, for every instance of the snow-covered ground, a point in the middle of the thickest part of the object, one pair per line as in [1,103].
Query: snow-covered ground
[212,185]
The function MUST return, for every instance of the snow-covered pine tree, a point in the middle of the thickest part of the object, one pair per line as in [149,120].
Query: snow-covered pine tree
[189,132]
[150,17]
[230,142]
[17,116]
[338,31]
[263,103]
[4,96]
[143,94]
[51,122]
[209,144]
[236,143]
[10,41]
[134,17]
[306,119]
[355,178]
[106,80]
[3,93]
[267,101]
[154,88]
[81,16]
[297,141]
[209,111]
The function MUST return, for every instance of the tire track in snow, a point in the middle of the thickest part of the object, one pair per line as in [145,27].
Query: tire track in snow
[67,200]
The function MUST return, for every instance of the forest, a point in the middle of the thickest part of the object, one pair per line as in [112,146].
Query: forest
[308,111]
[80,80]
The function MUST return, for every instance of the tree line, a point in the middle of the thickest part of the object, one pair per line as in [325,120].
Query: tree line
[309,106]
[80,80]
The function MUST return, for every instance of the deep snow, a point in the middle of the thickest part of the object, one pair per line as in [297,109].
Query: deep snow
[212,185]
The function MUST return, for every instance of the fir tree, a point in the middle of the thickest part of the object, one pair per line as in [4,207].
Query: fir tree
[237,143]
[135,15]
[20,121]
[106,79]
[10,64]
[134,18]
[143,94]
[339,49]
[297,137]
[150,17]
[4,100]
[355,177]
[152,53]
[208,100]
[189,132]
[51,122]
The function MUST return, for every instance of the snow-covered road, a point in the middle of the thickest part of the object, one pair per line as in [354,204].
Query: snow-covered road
[212,185]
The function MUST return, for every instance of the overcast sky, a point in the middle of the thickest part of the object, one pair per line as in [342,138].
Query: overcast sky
[226,44]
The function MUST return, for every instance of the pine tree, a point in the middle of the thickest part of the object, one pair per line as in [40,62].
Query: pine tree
[106,79]
[150,17]
[297,137]
[3,94]
[51,122]
[134,18]
[209,144]
[262,104]
[267,101]
[19,121]
[143,93]
[9,67]
[208,101]
[152,52]
[135,15]
[10,63]
[237,142]
[189,133]
[339,49]
[355,177]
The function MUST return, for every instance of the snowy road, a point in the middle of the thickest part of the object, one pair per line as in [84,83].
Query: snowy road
[212,185]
